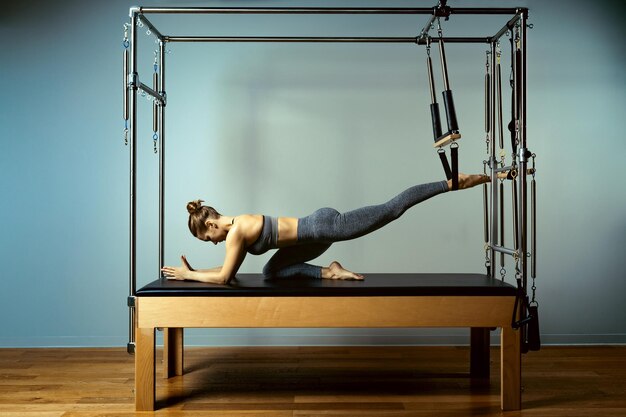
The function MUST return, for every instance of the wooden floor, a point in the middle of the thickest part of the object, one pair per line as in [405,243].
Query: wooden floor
[313,381]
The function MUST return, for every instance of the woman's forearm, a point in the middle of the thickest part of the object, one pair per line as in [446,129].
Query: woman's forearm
[216,269]
[213,276]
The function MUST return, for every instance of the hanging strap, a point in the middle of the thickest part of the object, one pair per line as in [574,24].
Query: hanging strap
[521,304]
[534,338]
[454,153]
[444,163]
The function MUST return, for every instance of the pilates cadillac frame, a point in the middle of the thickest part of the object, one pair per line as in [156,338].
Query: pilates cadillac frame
[132,86]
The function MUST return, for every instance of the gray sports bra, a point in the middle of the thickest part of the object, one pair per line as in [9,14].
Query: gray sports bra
[268,239]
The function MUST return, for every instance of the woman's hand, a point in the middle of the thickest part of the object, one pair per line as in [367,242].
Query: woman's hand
[184,259]
[178,273]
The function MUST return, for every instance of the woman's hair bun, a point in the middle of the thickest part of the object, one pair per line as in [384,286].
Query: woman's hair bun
[194,206]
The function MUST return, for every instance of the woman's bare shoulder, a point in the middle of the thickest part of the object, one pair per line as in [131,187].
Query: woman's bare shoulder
[249,226]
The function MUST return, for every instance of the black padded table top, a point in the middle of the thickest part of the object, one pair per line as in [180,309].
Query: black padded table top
[413,284]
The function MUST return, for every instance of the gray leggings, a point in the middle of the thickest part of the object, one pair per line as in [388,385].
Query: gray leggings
[318,231]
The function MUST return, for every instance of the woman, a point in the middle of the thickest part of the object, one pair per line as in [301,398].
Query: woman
[297,240]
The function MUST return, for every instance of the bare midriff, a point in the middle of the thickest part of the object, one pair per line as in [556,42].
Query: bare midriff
[287,231]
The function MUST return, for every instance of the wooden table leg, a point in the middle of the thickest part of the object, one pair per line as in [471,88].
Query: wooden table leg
[173,353]
[479,352]
[511,370]
[144,369]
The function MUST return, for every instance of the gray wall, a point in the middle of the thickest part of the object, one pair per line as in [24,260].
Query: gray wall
[285,129]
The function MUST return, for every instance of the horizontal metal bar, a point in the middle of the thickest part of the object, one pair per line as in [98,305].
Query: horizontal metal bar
[287,10]
[504,250]
[320,10]
[484,39]
[487,10]
[151,27]
[317,39]
[151,92]
[320,39]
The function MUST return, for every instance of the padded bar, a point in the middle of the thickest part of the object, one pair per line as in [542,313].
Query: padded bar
[410,284]
[436,120]
[448,102]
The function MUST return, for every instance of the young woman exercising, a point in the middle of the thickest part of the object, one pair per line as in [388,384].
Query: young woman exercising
[297,240]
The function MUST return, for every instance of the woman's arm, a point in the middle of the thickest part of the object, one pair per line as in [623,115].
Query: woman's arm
[235,254]
[186,263]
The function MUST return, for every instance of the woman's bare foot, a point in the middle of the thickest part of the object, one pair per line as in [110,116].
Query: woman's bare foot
[469,181]
[336,271]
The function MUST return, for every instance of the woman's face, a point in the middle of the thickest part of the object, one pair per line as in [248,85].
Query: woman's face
[213,233]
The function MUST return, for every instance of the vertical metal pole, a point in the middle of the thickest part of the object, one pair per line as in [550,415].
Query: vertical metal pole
[524,155]
[493,165]
[133,176]
[524,158]
[162,157]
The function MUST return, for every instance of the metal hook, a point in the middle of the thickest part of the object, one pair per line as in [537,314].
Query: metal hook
[155,137]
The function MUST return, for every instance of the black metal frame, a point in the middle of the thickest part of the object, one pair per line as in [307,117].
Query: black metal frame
[138,14]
